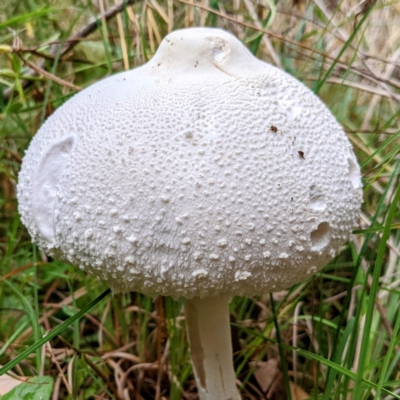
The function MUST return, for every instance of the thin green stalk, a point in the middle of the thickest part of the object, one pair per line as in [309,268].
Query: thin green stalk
[281,352]
[342,50]
[76,341]
[354,336]
[27,307]
[256,39]
[388,356]
[372,296]
[14,335]
[344,371]
[95,378]
[19,19]
[36,308]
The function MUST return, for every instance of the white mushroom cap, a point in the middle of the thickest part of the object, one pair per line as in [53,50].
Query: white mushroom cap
[203,172]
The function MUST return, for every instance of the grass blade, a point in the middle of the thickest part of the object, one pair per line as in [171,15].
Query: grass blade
[53,333]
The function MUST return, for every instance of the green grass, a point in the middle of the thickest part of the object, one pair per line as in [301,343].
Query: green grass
[59,323]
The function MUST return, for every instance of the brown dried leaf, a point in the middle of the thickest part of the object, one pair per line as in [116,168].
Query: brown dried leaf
[266,373]
[271,382]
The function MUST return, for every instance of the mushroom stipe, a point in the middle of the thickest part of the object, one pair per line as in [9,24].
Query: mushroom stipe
[187,177]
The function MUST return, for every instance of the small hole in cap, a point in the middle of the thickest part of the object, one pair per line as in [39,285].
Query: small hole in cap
[321,236]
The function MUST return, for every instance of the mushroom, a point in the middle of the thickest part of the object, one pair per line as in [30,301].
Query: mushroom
[204,174]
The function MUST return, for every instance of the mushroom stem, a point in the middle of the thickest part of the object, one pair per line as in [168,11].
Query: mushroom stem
[209,334]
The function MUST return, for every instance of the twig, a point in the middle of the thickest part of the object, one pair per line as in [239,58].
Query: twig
[40,71]
[60,370]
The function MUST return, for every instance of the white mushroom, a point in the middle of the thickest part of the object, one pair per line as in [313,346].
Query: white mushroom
[203,174]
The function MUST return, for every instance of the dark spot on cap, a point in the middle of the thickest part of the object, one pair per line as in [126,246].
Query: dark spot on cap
[273,128]
[301,154]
